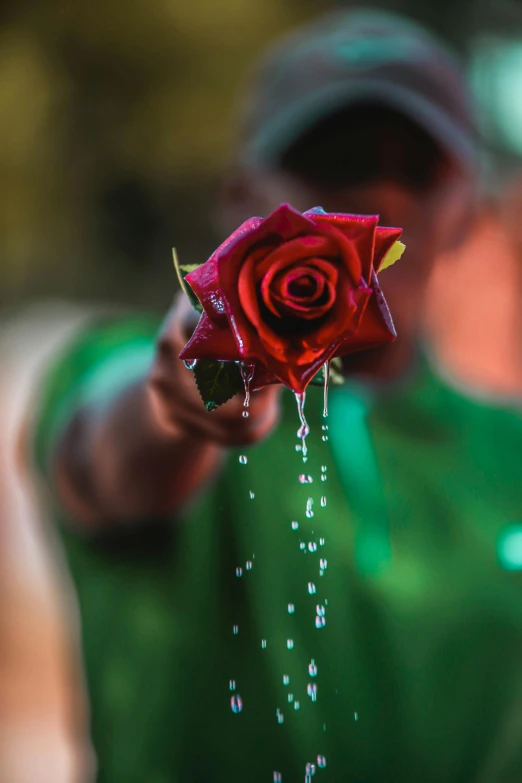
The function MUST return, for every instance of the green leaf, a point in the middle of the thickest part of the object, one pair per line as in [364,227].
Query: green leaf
[217,382]
[182,270]
[393,255]
[186,269]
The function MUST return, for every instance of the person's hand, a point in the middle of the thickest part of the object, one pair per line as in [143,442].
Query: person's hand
[176,402]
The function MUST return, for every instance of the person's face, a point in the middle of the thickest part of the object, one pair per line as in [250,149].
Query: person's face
[430,219]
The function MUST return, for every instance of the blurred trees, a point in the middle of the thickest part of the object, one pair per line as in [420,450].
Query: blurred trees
[116,124]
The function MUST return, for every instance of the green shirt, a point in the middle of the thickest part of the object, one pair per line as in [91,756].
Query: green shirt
[419,662]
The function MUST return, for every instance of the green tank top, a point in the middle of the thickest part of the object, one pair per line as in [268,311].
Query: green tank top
[417,666]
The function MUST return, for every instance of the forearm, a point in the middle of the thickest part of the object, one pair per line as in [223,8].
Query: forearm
[141,443]
[121,464]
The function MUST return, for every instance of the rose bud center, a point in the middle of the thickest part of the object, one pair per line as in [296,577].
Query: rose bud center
[306,287]
[303,292]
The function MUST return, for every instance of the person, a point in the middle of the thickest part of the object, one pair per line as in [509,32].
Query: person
[363,622]
[482,354]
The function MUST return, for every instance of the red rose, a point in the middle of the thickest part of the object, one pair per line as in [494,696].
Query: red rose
[291,291]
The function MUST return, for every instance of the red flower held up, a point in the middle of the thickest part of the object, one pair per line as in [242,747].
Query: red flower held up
[290,292]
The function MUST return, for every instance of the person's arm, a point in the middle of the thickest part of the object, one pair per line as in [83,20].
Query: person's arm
[146,448]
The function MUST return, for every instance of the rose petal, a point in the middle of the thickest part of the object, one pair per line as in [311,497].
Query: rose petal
[300,351]
[385,238]
[301,286]
[285,223]
[328,269]
[360,229]
[337,322]
[286,304]
[296,250]
[298,378]
[204,280]
[296,277]
[262,377]
[345,316]
[211,340]
[246,284]
[264,339]
[376,326]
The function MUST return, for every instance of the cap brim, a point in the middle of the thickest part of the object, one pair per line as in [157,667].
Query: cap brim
[278,135]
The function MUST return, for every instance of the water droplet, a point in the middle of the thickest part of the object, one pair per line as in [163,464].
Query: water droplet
[302,546]
[324,468]
[298,447]
[312,691]
[304,429]
[326,601]
[320,622]
[243,459]
[239,571]
[280,716]
[312,668]
[286,679]
[312,546]
[356,715]
[326,373]
[309,508]
[236,703]
[324,427]
[324,438]
[235,630]
[248,565]
[232,685]
[245,414]
[321,542]
[304,479]
[263,644]
[320,610]
[310,769]
[311,588]
[295,525]
[291,608]
[290,644]
[323,476]
[324,726]
[290,698]
[323,563]
[190,363]
[296,705]
[323,501]
[252,495]
[278,777]
[321,762]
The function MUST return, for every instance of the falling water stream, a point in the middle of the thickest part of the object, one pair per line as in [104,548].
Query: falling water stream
[247,373]
[311,547]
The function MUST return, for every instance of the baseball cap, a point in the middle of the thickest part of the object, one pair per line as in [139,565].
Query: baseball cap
[351,57]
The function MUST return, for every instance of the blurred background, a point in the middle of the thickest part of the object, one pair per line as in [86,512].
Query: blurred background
[116,124]
[117,121]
